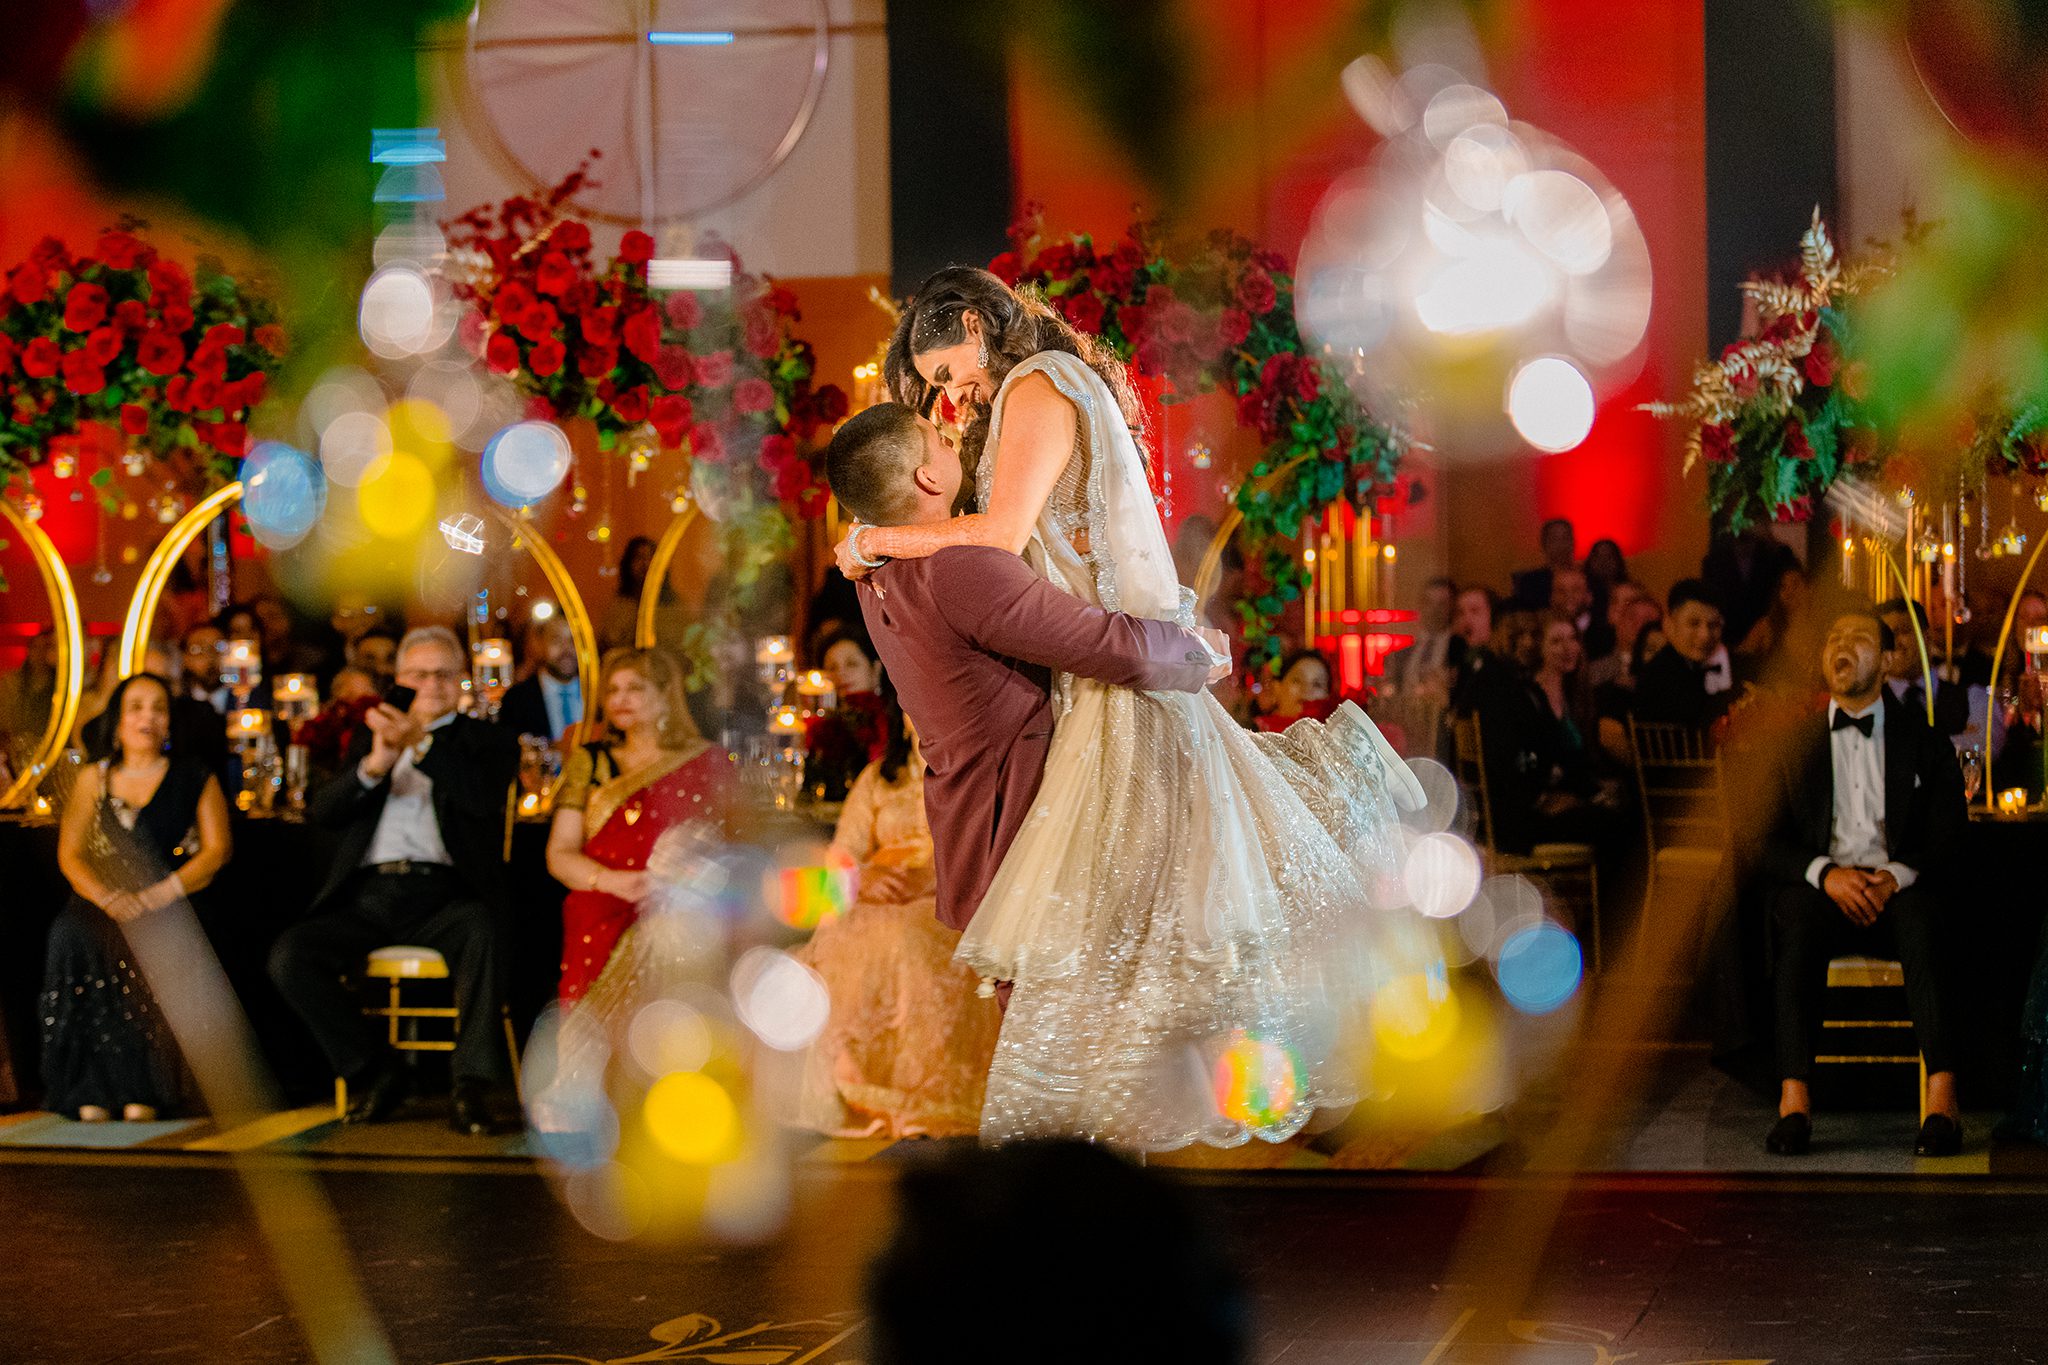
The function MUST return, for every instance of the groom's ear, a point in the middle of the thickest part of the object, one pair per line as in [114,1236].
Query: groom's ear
[927,480]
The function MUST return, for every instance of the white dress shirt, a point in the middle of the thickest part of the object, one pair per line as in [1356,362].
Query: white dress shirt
[564,702]
[1718,675]
[1858,835]
[407,829]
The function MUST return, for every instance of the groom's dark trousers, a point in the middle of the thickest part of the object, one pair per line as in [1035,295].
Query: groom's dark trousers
[971,638]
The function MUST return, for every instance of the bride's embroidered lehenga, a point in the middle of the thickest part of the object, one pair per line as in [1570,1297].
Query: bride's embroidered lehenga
[1182,887]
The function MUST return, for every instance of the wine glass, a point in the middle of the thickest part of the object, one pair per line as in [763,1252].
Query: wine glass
[1972,760]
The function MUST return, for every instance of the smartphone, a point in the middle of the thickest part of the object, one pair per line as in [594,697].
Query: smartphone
[400,697]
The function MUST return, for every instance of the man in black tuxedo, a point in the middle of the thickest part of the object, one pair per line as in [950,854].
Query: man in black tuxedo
[1903,676]
[1688,681]
[550,700]
[420,807]
[1868,804]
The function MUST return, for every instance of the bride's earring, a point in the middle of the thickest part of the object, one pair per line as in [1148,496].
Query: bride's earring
[981,356]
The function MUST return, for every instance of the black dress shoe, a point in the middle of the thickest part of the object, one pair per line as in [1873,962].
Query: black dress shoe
[469,1112]
[379,1097]
[1791,1135]
[1939,1136]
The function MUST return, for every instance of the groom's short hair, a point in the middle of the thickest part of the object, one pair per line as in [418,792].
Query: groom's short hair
[870,461]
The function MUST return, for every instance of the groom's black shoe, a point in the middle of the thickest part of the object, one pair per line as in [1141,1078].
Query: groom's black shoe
[379,1096]
[1940,1135]
[1791,1135]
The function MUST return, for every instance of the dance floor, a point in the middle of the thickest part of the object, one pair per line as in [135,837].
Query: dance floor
[134,1256]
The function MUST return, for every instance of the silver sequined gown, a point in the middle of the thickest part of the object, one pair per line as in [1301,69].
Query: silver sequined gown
[1189,906]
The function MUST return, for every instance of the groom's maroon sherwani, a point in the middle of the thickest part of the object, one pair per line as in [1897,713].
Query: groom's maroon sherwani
[970,637]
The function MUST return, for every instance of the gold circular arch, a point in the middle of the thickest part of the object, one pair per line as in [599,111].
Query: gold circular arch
[657,574]
[573,611]
[70,634]
[2012,610]
[156,574]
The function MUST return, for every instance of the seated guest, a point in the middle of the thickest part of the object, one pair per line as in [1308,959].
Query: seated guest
[1688,681]
[620,620]
[199,666]
[1560,551]
[197,730]
[332,731]
[420,809]
[906,1052]
[844,740]
[1605,567]
[1610,644]
[26,694]
[1302,688]
[1427,664]
[647,773]
[129,850]
[1866,803]
[1904,677]
[1539,739]
[551,699]
[375,651]
[1473,625]
[1571,597]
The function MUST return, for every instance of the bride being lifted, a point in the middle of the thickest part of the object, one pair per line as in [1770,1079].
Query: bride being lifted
[1186,899]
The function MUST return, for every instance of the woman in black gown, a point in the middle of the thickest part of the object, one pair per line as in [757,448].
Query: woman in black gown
[145,828]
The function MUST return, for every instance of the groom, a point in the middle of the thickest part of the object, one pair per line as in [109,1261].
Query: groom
[971,637]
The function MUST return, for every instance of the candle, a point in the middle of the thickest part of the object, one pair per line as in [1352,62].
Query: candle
[785,722]
[294,687]
[774,656]
[2012,801]
[817,691]
[248,723]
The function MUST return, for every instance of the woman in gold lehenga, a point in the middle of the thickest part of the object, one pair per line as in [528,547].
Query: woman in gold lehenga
[906,1052]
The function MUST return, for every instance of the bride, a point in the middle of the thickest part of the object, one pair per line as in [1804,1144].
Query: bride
[1187,900]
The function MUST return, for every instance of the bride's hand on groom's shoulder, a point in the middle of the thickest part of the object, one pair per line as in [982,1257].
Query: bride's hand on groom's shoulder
[842,555]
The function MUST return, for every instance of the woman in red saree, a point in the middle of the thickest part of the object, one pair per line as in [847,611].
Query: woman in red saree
[649,772]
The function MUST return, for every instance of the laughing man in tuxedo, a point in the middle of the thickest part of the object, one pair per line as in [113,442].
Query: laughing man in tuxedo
[1869,800]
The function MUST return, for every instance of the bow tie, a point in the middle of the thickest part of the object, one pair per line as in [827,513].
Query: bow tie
[1866,723]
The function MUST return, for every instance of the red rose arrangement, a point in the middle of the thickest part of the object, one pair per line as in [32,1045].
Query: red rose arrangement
[1221,318]
[129,339]
[721,375]
[1783,414]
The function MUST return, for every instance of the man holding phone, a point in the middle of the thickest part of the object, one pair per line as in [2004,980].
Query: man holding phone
[420,807]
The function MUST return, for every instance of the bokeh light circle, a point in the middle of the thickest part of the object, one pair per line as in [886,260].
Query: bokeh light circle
[1539,968]
[1551,403]
[1441,875]
[1439,809]
[396,317]
[1414,1017]
[283,494]
[668,1035]
[784,1002]
[525,462]
[692,1118]
[1258,1081]
[396,497]
[351,444]
[611,1201]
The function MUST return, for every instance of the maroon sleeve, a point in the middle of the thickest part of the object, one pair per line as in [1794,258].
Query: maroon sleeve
[995,601]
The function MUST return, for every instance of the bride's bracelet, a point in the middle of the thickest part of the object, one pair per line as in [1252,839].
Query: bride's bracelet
[853,546]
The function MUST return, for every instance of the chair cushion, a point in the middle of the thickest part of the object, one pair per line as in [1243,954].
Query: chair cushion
[1865,971]
[1562,855]
[403,960]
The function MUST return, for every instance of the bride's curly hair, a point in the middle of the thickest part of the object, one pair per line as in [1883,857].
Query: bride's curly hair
[1015,326]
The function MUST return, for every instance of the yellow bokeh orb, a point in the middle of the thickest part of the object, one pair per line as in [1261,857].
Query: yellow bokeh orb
[692,1118]
[419,426]
[1414,1017]
[396,496]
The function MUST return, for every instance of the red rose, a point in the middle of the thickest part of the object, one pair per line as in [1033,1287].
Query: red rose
[1797,510]
[714,371]
[597,361]
[1084,310]
[1056,262]
[636,248]
[229,438]
[753,395]
[204,393]
[85,307]
[103,345]
[6,356]
[1819,365]
[706,444]
[764,335]
[601,326]
[546,357]
[1255,409]
[502,353]
[124,252]
[778,450]
[1233,326]
[177,318]
[209,363]
[672,367]
[82,375]
[1255,293]
[1272,262]
[790,480]
[130,315]
[222,335]
[168,280]
[683,310]
[671,415]
[631,406]
[271,338]
[28,283]
[570,235]
[512,301]
[642,335]
[538,323]
[178,393]
[1796,445]
[249,389]
[40,358]
[1717,443]
[555,273]
[134,419]
[50,254]
[1007,267]
[540,408]
[830,404]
